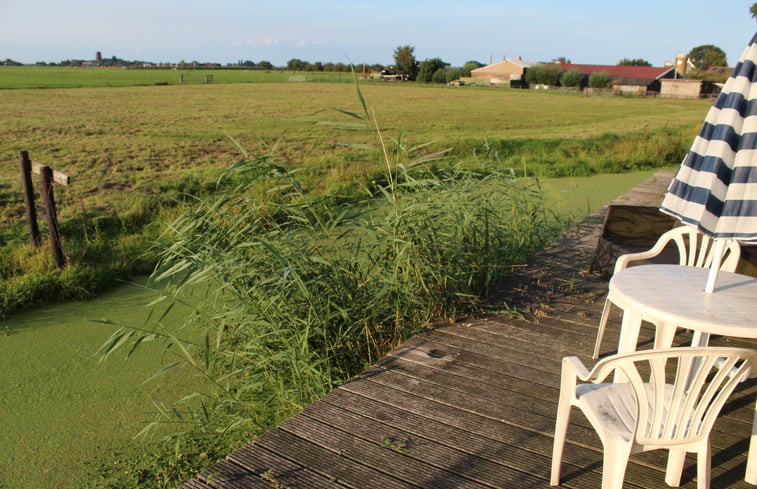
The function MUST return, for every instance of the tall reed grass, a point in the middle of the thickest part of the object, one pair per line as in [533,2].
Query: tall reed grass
[293,294]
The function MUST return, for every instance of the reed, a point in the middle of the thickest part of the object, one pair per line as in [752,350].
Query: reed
[293,294]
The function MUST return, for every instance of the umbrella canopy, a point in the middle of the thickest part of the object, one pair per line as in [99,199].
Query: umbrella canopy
[715,190]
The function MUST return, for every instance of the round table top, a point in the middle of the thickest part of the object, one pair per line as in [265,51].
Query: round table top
[675,294]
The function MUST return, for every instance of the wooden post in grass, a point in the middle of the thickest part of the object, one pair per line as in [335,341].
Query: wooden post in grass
[46,180]
[31,211]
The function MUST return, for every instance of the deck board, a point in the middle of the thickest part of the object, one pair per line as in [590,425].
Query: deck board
[472,404]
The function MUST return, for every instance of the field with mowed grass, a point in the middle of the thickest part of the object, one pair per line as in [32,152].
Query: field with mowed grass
[134,152]
[12,77]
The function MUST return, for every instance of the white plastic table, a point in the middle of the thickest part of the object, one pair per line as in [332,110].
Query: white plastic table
[672,296]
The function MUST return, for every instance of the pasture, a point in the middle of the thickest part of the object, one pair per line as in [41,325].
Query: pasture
[12,77]
[146,141]
[136,152]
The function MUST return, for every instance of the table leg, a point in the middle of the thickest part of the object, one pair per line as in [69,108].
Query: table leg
[629,331]
[629,336]
[751,458]
[664,334]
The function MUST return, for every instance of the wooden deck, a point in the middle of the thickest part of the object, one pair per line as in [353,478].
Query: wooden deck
[472,404]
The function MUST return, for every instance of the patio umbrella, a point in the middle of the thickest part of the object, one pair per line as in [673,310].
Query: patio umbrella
[715,189]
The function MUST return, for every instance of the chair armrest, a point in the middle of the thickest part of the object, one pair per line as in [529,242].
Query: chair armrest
[573,368]
[624,260]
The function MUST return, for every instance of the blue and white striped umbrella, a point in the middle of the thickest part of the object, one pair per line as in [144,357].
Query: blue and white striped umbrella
[715,190]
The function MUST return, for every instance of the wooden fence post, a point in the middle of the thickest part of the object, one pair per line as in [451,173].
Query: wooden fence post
[31,211]
[46,180]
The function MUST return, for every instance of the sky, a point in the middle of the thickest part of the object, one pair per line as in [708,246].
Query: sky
[227,31]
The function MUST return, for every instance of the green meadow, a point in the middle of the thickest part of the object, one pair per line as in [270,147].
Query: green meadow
[13,77]
[135,153]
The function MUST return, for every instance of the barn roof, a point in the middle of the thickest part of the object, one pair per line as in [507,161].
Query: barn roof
[620,71]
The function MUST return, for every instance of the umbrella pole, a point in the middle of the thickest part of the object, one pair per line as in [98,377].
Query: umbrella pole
[717,256]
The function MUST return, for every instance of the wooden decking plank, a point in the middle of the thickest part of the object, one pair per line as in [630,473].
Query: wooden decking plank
[194,484]
[256,459]
[529,340]
[514,434]
[501,393]
[507,394]
[444,456]
[228,475]
[374,455]
[519,352]
[513,457]
[427,353]
[468,365]
[540,418]
[419,392]
[329,461]
[456,375]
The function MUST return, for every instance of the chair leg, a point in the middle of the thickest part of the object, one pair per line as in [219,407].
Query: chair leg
[704,461]
[614,465]
[676,460]
[601,330]
[561,430]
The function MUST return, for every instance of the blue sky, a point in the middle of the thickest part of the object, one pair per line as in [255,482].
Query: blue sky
[225,31]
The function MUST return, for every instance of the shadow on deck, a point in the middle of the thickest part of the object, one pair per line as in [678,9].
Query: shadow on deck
[473,404]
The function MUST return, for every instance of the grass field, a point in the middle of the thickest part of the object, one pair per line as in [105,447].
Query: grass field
[12,77]
[134,152]
[120,144]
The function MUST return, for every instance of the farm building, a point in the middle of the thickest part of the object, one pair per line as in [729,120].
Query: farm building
[631,80]
[505,72]
[677,88]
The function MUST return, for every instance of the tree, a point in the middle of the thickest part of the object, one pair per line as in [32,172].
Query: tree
[544,74]
[295,64]
[599,79]
[427,69]
[753,10]
[265,65]
[405,63]
[470,66]
[572,78]
[707,55]
[451,74]
[634,62]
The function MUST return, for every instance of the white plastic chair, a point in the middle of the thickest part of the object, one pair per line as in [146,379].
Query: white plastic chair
[647,412]
[694,250]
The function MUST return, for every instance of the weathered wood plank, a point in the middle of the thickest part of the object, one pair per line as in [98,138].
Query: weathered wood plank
[490,443]
[500,429]
[374,455]
[194,484]
[256,459]
[228,475]
[329,461]
[441,455]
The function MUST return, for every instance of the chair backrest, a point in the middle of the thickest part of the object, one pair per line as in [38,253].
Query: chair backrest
[696,249]
[678,392]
